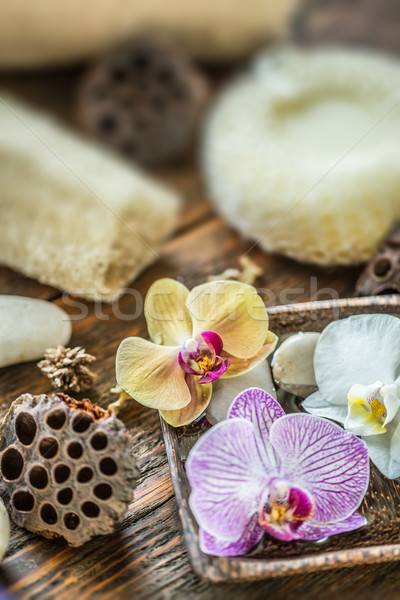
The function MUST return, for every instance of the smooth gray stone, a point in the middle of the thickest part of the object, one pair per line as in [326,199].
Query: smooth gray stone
[28,327]
[226,390]
[293,364]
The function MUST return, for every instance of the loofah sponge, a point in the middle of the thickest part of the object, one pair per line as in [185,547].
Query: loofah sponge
[301,153]
[66,467]
[72,215]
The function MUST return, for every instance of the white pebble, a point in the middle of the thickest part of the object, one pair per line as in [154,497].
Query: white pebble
[29,326]
[4,529]
[293,364]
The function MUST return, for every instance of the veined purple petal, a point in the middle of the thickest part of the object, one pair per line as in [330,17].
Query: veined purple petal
[215,372]
[227,479]
[328,462]
[213,341]
[185,367]
[313,531]
[253,533]
[261,409]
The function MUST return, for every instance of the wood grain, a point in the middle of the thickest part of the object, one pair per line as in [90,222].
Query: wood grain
[147,558]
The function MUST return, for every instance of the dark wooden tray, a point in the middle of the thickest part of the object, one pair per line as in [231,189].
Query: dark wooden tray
[378,541]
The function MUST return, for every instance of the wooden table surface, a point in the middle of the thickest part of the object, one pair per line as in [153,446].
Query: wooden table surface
[147,558]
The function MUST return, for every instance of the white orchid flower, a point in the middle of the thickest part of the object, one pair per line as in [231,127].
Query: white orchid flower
[357,368]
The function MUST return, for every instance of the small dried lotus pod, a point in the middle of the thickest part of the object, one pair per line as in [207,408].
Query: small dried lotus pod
[382,274]
[372,23]
[66,468]
[144,101]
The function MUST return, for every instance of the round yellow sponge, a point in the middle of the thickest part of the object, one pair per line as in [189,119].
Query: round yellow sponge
[301,154]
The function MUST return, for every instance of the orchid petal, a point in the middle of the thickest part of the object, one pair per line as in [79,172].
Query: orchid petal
[332,465]
[200,396]
[313,531]
[252,535]
[238,366]
[213,341]
[168,320]
[215,373]
[185,367]
[261,409]
[227,479]
[384,450]
[315,404]
[151,374]
[391,400]
[348,352]
[234,311]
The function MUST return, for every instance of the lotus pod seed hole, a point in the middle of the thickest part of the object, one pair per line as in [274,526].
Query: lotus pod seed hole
[12,464]
[25,428]
[65,496]
[103,491]
[108,466]
[61,473]
[75,450]
[49,447]
[382,267]
[38,477]
[388,291]
[71,521]
[85,474]
[49,514]
[90,510]
[23,501]
[99,441]
[56,419]
[82,422]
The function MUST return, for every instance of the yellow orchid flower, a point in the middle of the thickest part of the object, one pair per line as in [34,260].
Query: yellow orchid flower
[218,329]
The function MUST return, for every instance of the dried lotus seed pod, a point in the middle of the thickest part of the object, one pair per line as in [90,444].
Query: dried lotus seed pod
[143,100]
[382,274]
[66,468]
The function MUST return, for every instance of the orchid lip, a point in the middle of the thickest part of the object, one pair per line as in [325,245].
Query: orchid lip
[284,509]
[202,357]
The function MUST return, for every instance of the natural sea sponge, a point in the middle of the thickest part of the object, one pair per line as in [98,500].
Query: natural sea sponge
[301,153]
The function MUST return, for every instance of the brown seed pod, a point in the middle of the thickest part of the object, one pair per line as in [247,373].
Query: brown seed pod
[382,274]
[66,467]
[373,23]
[143,100]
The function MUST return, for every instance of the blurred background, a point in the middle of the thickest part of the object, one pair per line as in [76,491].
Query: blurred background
[140,79]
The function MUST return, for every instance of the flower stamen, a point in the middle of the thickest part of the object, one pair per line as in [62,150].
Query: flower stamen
[205,363]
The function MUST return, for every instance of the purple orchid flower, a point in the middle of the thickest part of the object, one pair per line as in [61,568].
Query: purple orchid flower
[292,476]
